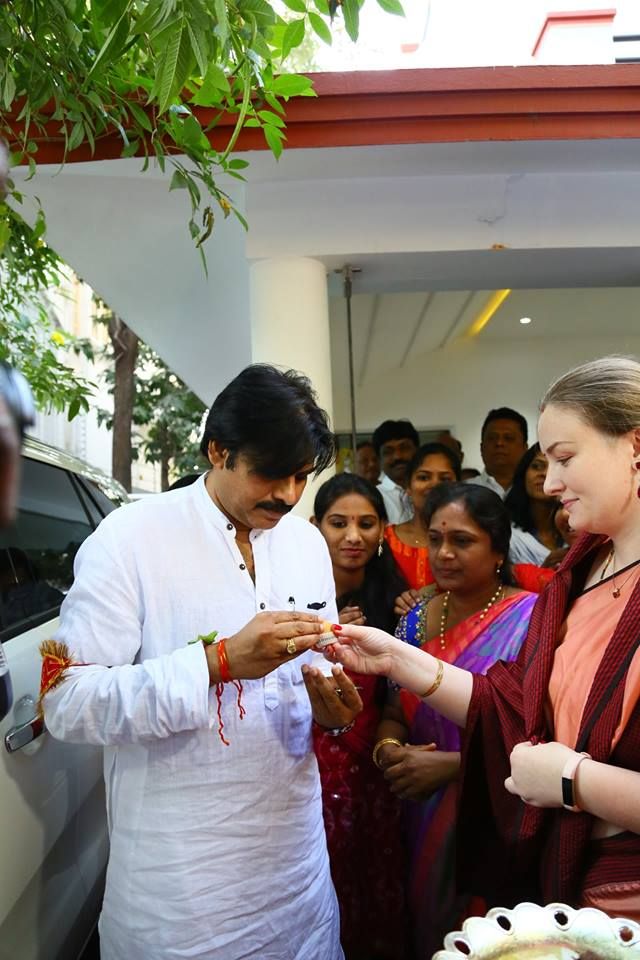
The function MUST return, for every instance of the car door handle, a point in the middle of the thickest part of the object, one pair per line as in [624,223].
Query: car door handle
[19,737]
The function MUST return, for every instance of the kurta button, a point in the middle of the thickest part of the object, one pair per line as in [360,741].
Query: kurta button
[262,606]
[242,566]
[229,526]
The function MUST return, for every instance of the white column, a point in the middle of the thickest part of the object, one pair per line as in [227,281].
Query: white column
[290,329]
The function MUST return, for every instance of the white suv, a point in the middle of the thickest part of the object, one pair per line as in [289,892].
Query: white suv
[53,837]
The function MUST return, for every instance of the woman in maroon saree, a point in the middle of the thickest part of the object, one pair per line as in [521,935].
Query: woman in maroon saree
[477,619]
[549,807]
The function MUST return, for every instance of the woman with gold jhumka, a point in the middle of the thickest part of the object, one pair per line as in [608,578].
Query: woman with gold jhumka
[477,618]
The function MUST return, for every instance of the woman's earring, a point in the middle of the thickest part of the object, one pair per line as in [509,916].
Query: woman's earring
[380,544]
[498,569]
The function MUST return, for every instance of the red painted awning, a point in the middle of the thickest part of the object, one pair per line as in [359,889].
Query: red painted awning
[437,105]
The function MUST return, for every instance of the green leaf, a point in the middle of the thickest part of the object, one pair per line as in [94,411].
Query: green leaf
[293,37]
[77,135]
[273,102]
[351,13]
[321,27]
[173,68]
[74,408]
[271,118]
[215,82]
[113,44]
[5,231]
[131,149]
[261,11]
[223,21]
[323,7]
[238,164]
[292,85]
[298,6]
[274,138]
[178,181]
[9,90]
[392,6]
[199,47]
[140,116]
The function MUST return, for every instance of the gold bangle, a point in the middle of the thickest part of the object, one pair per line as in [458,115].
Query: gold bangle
[381,743]
[436,683]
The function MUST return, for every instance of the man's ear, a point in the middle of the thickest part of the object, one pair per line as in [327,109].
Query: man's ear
[217,454]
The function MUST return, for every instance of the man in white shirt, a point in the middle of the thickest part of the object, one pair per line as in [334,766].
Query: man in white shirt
[218,849]
[503,444]
[395,442]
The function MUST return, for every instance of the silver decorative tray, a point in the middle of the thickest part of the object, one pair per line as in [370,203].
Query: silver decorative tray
[532,932]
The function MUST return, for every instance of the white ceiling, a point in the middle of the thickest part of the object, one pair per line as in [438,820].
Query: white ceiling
[391,330]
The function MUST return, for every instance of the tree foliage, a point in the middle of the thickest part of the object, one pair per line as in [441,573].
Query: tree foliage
[29,338]
[158,78]
[159,75]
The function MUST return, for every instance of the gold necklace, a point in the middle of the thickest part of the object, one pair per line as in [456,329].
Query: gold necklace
[617,590]
[445,611]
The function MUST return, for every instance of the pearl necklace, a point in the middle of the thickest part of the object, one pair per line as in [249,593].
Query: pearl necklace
[445,611]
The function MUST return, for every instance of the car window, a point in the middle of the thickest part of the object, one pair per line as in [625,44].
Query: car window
[98,497]
[37,552]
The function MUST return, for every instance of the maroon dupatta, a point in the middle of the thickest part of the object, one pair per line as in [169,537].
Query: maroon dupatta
[510,851]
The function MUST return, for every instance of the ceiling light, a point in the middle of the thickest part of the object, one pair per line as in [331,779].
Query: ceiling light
[525,319]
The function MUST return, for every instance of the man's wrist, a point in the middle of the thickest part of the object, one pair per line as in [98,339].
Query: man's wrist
[213,663]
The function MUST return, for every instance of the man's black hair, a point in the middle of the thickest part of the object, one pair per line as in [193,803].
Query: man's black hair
[364,443]
[506,413]
[394,430]
[273,419]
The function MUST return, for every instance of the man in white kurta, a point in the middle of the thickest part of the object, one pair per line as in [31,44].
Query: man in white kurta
[217,852]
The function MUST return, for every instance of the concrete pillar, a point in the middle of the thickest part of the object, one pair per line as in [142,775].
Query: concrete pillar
[290,328]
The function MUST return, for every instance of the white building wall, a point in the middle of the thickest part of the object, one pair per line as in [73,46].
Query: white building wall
[456,387]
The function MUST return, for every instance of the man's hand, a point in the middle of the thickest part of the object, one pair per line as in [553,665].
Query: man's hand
[267,641]
[335,702]
[416,771]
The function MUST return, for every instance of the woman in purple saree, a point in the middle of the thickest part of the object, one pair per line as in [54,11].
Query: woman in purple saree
[476,619]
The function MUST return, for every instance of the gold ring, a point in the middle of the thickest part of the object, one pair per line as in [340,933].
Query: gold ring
[337,691]
[291,646]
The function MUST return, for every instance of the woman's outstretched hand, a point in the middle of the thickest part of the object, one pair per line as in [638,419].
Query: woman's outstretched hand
[363,649]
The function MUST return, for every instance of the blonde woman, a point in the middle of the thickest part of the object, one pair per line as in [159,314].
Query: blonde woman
[551,750]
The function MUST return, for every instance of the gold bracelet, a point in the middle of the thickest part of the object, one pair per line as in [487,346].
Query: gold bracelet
[436,683]
[381,743]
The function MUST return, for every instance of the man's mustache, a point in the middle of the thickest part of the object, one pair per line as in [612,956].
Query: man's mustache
[274,506]
[399,463]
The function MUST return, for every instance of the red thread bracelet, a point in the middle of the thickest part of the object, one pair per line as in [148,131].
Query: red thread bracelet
[223,662]
[225,677]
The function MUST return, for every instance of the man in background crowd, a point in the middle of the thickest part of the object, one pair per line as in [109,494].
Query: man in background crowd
[367,463]
[395,442]
[503,443]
